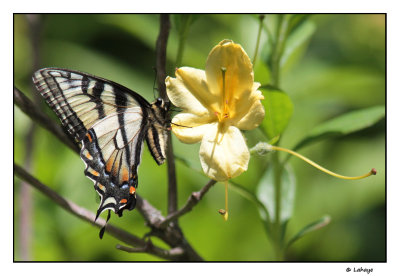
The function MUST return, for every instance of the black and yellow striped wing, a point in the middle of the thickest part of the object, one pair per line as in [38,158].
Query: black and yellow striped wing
[110,122]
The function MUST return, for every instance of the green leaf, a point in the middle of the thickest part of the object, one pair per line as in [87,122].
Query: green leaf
[261,72]
[345,124]
[266,193]
[325,220]
[278,111]
[296,44]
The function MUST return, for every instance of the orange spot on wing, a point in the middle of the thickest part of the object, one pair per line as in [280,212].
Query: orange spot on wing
[109,164]
[89,137]
[95,173]
[88,156]
[123,201]
[125,174]
[132,190]
[101,187]
[115,169]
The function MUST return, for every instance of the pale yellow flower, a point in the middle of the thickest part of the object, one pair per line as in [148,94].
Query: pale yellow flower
[216,104]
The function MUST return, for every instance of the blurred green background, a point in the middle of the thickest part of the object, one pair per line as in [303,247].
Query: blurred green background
[341,69]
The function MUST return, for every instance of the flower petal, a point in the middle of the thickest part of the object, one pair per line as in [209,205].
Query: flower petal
[238,75]
[251,112]
[223,155]
[190,128]
[189,90]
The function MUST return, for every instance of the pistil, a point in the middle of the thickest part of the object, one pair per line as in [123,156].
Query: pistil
[224,103]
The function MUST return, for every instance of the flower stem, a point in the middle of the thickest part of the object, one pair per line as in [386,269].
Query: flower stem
[372,172]
[261,19]
[279,46]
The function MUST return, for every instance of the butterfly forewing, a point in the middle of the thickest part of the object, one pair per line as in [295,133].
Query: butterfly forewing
[111,122]
[80,100]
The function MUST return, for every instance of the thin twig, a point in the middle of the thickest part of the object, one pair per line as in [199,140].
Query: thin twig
[193,199]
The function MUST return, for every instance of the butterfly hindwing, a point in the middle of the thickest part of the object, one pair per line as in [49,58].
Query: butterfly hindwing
[113,179]
[111,123]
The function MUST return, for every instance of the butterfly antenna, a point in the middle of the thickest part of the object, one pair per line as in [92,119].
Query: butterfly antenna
[179,125]
[103,229]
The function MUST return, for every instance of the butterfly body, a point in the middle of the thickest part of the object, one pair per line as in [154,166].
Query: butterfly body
[111,123]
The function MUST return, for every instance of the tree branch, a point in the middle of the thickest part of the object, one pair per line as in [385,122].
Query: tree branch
[161,53]
[193,199]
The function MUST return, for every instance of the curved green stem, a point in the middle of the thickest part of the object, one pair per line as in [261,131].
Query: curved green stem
[312,163]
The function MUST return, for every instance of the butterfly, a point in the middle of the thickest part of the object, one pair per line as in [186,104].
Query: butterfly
[110,122]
